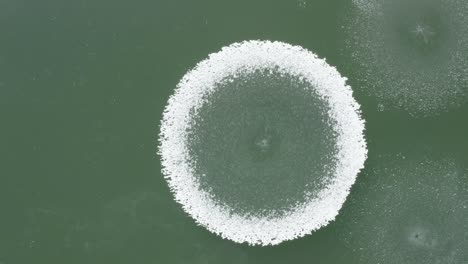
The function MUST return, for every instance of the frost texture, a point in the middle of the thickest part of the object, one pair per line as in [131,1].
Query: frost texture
[411,54]
[408,209]
[245,58]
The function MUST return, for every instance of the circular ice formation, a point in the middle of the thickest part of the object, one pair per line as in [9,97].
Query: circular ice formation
[411,54]
[242,59]
[408,209]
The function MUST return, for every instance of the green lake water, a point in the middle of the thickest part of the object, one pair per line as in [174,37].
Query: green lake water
[83,85]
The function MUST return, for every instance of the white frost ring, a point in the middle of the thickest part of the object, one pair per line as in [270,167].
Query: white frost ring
[244,58]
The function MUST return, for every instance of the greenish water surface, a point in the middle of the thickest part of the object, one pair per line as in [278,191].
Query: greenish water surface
[83,85]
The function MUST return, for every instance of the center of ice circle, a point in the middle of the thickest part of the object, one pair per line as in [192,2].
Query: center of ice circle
[265,143]
[423,34]
[421,237]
